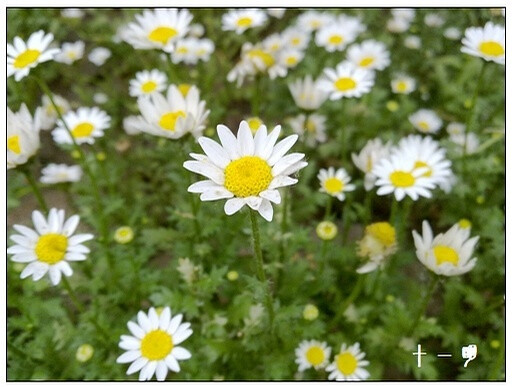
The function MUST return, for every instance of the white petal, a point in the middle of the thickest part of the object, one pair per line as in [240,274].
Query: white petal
[153,318]
[245,140]
[285,162]
[129,356]
[55,275]
[272,195]
[181,353]
[181,335]
[228,140]
[28,232]
[216,194]
[208,170]
[137,365]
[266,152]
[148,371]
[77,239]
[70,225]
[202,186]
[215,152]
[39,222]
[233,205]
[172,363]
[161,371]
[137,331]
[282,181]
[266,210]
[254,202]
[143,321]
[174,324]
[281,148]
[129,343]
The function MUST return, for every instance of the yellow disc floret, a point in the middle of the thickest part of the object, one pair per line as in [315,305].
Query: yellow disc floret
[51,248]
[156,345]
[315,355]
[491,48]
[446,254]
[83,129]
[402,179]
[13,144]
[383,231]
[26,58]
[346,363]
[162,34]
[336,39]
[247,176]
[149,86]
[366,61]
[345,84]
[422,164]
[333,185]
[244,22]
[168,120]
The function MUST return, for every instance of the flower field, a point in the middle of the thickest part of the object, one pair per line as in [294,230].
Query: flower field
[255,194]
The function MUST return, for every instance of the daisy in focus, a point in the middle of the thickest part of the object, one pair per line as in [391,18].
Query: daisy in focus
[173,115]
[368,157]
[23,56]
[22,135]
[447,254]
[70,52]
[157,29]
[310,128]
[50,247]
[370,54]
[244,169]
[378,243]
[312,354]
[85,124]
[398,175]
[153,346]
[487,42]
[148,82]
[49,114]
[346,81]
[243,19]
[348,364]
[306,93]
[403,84]
[60,173]
[335,182]
[426,121]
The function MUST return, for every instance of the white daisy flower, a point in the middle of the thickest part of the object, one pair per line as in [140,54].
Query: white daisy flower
[312,354]
[49,247]
[85,125]
[244,169]
[433,20]
[148,82]
[153,347]
[273,43]
[132,125]
[173,115]
[471,142]
[407,14]
[348,364]
[278,13]
[397,25]
[306,93]
[346,81]
[157,29]
[335,37]
[398,175]
[378,243]
[60,173]
[100,98]
[196,30]
[21,56]
[290,57]
[454,128]
[352,23]
[370,54]
[49,114]
[311,129]
[296,38]
[335,182]
[203,49]
[70,52]
[403,84]
[191,50]
[446,254]
[242,19]
[426,121]
[72,13]
[254,124]
[373,151]
[22,135]
[99,55]
[487,42]
[412,42]
[452,33]
[314,20]
[427,153]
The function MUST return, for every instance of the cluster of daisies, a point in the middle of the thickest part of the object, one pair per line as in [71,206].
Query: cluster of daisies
[349,364]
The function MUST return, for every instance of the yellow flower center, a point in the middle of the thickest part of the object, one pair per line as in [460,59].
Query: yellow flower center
[366,61]
[333,185]
[51,248]
[446,254]
[149,86]
[295,41]
[402,179]
[344,84]
[182,50]
[464,223]
[315,355]
[244,22]
[247,176]
[184,88]
[168,120]
[335,39]
[82,130]
[423,125]
[310,126]
[13,144]
[401,86]
[162,34]
[383,231]
[491,48]
[156,345]
[422,164]
[254,124]
[26,58]
[347,363]
[71,54]
[267,58]
[291,60]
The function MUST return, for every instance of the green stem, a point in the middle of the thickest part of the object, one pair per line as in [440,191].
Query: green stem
[284,225]
[328,207]
[33,184]
[258,257]
[356,290]
[346,221]
[423,308]
[72,295]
